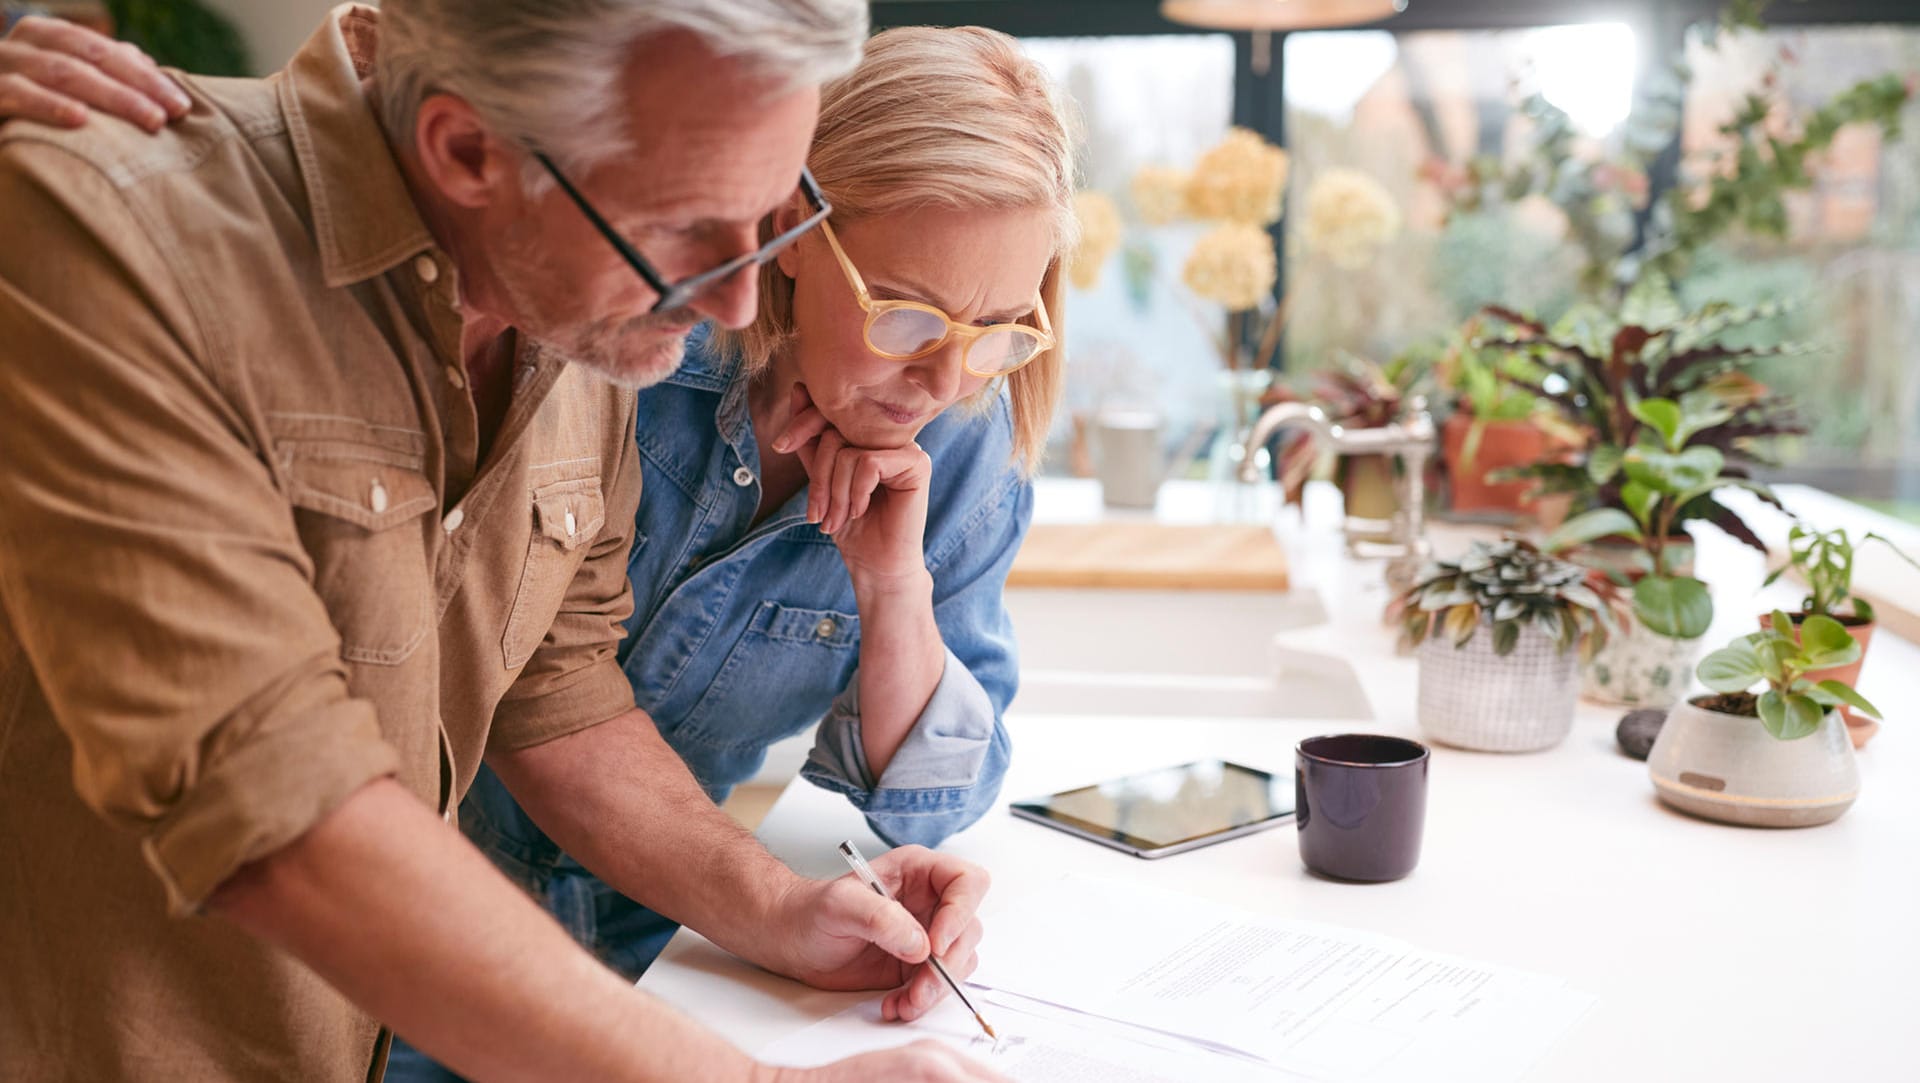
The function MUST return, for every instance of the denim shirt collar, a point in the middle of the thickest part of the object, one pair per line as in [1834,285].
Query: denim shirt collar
[708,368]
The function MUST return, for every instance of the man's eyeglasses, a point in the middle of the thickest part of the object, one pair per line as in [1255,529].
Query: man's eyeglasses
[905,330]
[677,294]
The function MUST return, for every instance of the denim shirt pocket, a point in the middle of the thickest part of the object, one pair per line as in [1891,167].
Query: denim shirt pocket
[794,656]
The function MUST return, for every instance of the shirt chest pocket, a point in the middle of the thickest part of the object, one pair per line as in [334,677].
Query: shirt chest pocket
[779,678]
[361,514]
[567,516]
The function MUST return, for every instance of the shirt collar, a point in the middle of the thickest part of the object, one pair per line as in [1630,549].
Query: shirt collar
[364,220]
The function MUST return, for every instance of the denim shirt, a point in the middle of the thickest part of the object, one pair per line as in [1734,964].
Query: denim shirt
[743,635]
[746,635]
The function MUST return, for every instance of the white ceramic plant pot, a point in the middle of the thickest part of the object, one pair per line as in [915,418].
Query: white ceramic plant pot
[1472,698]
[1728,768]
[1640,668]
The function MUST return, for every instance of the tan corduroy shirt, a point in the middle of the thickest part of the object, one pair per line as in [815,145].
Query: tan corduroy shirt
[249,560]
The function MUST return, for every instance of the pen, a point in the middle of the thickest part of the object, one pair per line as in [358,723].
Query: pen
[868,877]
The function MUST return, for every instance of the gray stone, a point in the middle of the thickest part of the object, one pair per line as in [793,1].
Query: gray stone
[1638,729]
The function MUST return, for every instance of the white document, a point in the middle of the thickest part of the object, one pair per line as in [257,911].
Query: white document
[1320,1001]
[1038,1044]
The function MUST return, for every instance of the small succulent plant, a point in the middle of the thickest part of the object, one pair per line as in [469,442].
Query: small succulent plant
[1510,584]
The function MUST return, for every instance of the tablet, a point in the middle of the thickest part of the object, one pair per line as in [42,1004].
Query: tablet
[1169,810]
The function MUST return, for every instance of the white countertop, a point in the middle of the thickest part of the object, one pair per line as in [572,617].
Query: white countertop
[1715,952]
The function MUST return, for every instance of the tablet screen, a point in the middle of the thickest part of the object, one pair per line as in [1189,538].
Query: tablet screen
[1171,805]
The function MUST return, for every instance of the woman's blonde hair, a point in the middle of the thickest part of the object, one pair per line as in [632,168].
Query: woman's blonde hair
[955,118]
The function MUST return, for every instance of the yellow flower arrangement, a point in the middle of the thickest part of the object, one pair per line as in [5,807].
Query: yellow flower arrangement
[1349,217]
[1234,265]
[1242,179]
[1099,237]
[1160,194]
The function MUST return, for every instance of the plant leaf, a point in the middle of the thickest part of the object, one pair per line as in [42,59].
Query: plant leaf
[1782,624]
[1587,526]
[1675,606]
[1506,636]
[1461,622]
[1661,415]
[1827,643]
[1733,668]
[1603,463]
[1789,717]
[1847,695]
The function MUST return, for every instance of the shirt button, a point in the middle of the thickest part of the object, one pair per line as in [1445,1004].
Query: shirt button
[453,520]
[456,377]
[428,270]
[377,498]
[743,477]
[825,628]
[571,527]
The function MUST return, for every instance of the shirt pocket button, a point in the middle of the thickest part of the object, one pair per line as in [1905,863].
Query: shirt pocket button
[825,629]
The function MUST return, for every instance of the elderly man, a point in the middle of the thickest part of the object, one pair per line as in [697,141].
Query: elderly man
[316,488]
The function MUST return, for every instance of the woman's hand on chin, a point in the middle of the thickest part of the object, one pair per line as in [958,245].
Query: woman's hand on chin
[871,501]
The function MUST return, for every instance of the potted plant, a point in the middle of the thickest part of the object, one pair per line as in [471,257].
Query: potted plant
[1597,366]
[1356,393]
[1779,758]
[1500,634]
[1823,560]
[1662,476]
[1497,426]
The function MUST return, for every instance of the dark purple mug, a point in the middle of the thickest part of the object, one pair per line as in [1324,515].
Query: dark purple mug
[1360,803]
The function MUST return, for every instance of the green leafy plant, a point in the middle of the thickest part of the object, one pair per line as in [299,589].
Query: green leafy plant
[185,34]
[1508,585]
[1621,377]
[1824,560]
[1662,474]
[1793,704]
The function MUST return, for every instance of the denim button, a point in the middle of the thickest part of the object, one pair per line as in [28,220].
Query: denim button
[743,477]
[825,628]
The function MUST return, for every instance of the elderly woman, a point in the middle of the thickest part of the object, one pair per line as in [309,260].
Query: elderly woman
[833,496]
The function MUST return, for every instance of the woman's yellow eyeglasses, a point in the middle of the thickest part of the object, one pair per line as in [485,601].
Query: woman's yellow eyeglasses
[904,330]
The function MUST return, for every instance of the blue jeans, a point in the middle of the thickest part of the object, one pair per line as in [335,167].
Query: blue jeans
[621,933]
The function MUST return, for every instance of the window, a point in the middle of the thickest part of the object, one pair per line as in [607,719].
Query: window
[1851,254]
[1131,340]
[1400,108]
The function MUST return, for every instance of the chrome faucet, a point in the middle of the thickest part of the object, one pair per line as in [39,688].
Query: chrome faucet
[1411,439]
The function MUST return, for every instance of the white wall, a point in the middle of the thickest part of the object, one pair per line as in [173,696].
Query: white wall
[274,29]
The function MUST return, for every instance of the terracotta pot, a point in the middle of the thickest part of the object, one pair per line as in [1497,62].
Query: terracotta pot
[1729,768]
[1860,728]
[1502,444]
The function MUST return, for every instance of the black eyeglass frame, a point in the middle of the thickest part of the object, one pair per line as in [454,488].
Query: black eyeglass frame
[676,294]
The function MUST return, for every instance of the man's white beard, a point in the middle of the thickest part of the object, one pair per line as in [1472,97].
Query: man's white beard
[624,353]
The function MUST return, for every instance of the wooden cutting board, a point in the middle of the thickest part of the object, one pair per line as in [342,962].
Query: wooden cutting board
[1150,556]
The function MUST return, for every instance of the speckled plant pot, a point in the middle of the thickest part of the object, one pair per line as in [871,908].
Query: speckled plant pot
[1640,668]
[1472,698]
[1729,768]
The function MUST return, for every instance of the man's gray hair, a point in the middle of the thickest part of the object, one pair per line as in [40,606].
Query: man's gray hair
[546,73]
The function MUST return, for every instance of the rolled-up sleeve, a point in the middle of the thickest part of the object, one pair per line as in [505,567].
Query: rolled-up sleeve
[947,772]
[149,566]
[574,680]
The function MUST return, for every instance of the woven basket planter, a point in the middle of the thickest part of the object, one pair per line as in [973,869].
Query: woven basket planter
[1472,698]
